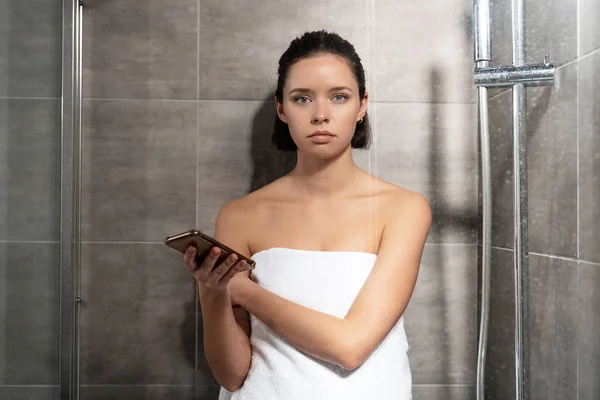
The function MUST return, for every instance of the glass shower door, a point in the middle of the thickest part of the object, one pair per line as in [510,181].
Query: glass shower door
[30,198]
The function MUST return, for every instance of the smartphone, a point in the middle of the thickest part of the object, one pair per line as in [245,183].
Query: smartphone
[203,243]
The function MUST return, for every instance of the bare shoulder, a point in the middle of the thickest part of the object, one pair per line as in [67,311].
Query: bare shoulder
[242,205]
[240,218]
[400,203]
[232,225]
[412,202]
[250,207]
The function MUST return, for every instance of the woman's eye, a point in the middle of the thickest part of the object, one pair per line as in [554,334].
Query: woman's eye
[340,97]
[298,100]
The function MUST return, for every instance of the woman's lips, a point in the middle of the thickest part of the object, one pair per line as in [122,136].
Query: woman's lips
[321,133]
[321,138]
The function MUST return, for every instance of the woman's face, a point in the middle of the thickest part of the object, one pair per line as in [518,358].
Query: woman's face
[321,94]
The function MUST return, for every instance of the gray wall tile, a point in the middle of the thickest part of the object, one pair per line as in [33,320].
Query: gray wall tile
[204,375]
[589,158]
[500,117]
[552,329]
[137,392]
[138,316]
[143,50]
[417,63]
[501,32]
[589,30]
[235,155]
[29,393]
[68,81]
[30,153]
[207,392]
[443,392]
[242,64]
[551,166]
[431,149]
[589,331]
[29,313]
[67,16]
[500,364]
[551,30]
[548,30]
[441,317]
[30,48]
[139,169]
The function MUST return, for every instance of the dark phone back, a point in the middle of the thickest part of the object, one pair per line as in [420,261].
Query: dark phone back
[203,243]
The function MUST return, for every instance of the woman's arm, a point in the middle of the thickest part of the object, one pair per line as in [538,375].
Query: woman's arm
[226,330]
[348,342]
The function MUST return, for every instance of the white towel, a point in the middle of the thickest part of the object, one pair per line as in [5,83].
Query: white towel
[327,281]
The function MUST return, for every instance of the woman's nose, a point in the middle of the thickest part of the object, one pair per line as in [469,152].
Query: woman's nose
[321,115]
[319,119]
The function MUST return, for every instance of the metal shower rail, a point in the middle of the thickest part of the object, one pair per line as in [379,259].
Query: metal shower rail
[518,76]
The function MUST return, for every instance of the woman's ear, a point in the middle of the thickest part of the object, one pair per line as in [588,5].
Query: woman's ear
[280,111]
[363,106]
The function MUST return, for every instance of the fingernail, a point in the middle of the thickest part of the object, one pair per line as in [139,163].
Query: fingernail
[189,250]
[214,251]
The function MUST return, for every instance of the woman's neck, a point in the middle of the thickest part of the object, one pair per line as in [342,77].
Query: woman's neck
[324,178]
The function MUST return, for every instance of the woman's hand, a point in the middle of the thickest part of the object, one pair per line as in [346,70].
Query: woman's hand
[215,279]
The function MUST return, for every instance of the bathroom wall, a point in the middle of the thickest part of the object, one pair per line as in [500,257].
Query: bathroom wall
[563,148]
[177,117]
[30,162]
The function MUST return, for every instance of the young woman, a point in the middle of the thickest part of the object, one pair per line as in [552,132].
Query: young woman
[337,251]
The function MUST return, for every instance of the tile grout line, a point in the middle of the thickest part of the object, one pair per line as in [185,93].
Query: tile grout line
[372,65]
[577,330]
[28,386]
[579,58]
[590,54]
[30,241]
[443,385]
[554,256]
[158,385]
[368,86]
[198,52]
[595,264]
[578,22]
[578,150]
[28,98]
[500,93]
[196,300]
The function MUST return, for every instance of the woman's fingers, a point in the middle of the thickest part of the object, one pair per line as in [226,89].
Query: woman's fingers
[217,273]
[189,258]
[210,260]
[232,272]
[206,273]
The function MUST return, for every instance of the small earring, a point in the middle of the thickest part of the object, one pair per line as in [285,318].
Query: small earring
[360,122]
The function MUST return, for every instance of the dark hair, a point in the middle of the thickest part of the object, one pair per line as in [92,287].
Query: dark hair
[309,45]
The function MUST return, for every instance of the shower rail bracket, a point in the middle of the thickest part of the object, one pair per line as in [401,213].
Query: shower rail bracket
[507,76]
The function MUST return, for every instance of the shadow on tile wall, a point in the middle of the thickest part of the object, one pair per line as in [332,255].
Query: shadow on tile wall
[268,162]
